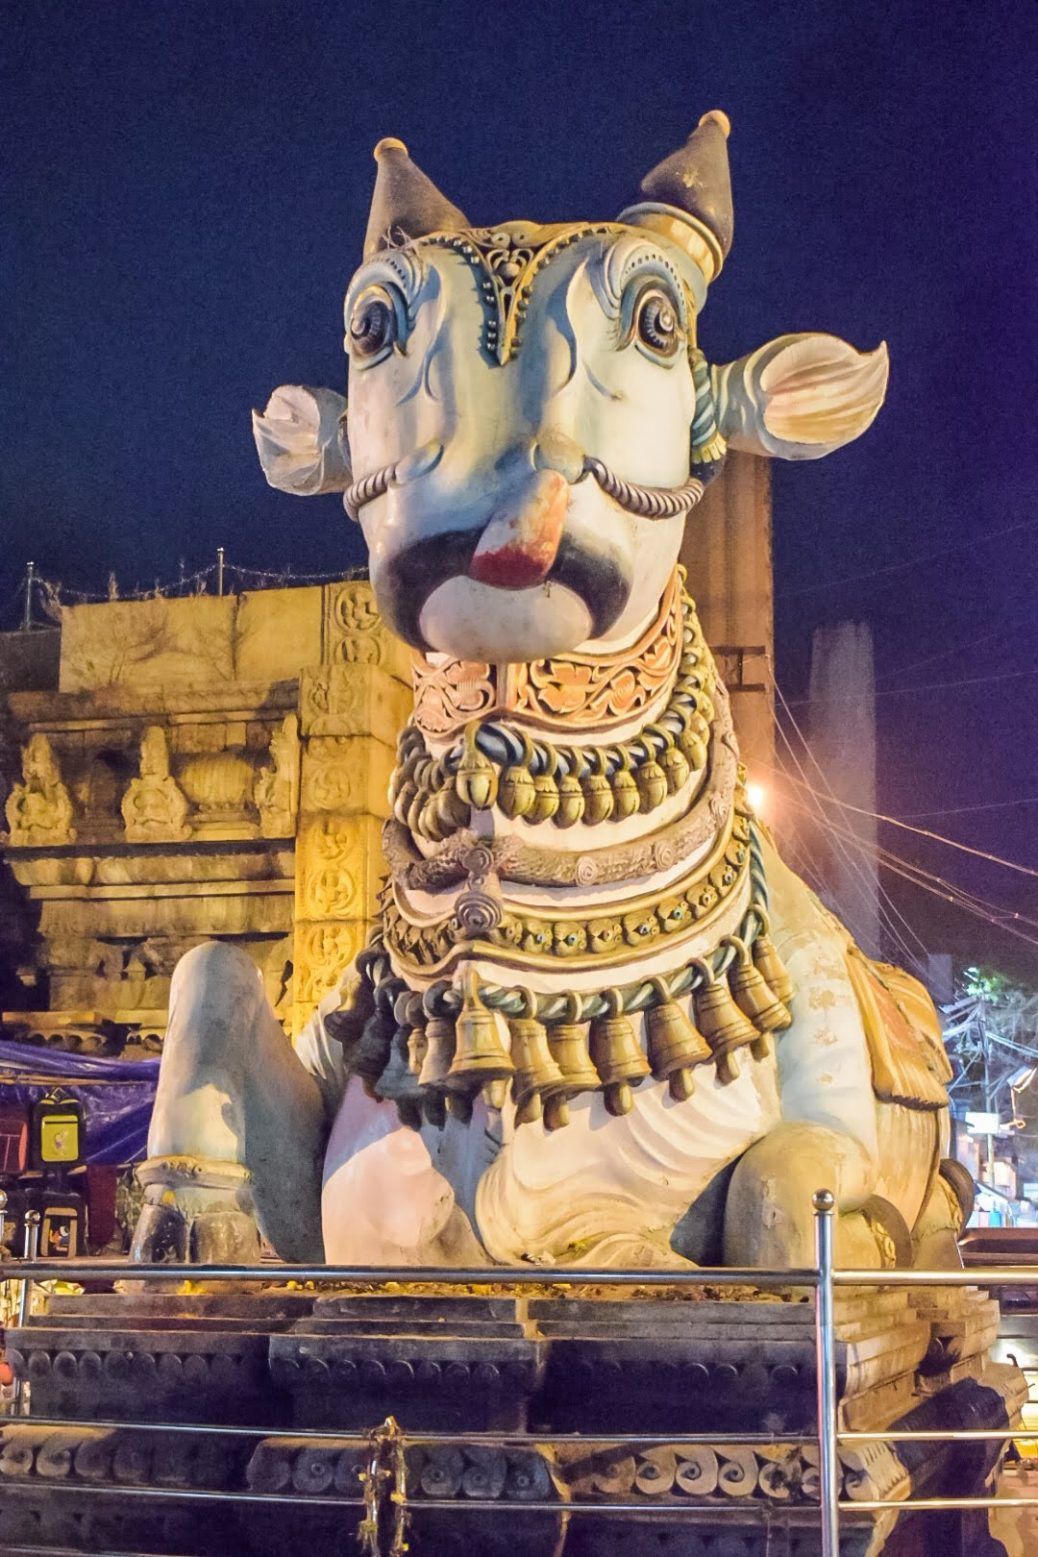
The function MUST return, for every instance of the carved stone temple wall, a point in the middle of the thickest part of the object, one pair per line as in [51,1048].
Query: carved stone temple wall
[196,768]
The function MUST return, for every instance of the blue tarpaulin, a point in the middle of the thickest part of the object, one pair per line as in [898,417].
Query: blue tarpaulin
[117,1095]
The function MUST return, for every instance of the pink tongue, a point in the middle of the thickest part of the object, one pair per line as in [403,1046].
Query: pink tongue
[519,546]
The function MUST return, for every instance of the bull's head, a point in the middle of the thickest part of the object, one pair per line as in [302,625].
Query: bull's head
[530,416]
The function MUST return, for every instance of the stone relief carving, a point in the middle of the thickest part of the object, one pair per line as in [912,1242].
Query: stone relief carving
[39,809]
[276,790]
[328,881]
[154,806]
[322,952]
[353,628]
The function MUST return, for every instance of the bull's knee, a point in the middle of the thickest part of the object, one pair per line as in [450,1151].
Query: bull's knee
[769,1219]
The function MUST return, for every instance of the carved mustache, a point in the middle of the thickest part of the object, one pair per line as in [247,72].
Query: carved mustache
[642,501]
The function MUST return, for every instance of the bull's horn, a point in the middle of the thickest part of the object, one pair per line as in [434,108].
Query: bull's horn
[688,197]
[406,204]
[800,396]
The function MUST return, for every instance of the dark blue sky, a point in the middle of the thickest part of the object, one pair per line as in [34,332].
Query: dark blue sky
[186,188]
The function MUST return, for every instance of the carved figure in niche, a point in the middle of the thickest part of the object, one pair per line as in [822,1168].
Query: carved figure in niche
[154,806]
[39,809]
[276,791]
[596,998]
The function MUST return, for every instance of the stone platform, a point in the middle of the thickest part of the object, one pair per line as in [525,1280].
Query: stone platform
[491,1390]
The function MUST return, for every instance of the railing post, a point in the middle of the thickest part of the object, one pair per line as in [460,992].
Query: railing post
[30,582]
[825,1362]
[3,1216]
[31,1251]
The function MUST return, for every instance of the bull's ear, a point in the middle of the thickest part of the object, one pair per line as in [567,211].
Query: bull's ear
[301,441]
[800,396]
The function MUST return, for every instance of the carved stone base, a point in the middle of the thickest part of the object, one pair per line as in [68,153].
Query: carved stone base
[532,1370]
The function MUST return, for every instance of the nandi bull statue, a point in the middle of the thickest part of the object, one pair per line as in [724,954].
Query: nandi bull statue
[600,1022]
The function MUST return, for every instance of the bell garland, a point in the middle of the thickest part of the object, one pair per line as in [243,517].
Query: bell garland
[532,780]
[436,1051]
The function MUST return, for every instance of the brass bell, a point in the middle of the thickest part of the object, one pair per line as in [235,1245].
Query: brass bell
[398,1083]
[371,1054]
[346,1025]
[675,766]
[755,999]
[626,799]
[674,1043]
[545,797]
[598,796]
[723,1025]
[516,794]
[413,820]
[568,1046]
[404,800]
[571,801]
[429,823]
[451,813]
[768,962]
[439,1053]
[556,1111]
[535,1070]
[568,1042]
[652,785]
[476,778]
[695,737]
[479,1054]
[616,1055]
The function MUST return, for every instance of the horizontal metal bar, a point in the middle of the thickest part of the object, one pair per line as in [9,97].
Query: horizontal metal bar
[360,1435]
[507,1275]
[945,1435]
[682,1509]
[980,1276]
[481,1276]
[177,1494]
[77,1551]
[933,1505]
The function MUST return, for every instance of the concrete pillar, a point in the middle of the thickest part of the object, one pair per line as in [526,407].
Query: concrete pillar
[843,740]
[727,551]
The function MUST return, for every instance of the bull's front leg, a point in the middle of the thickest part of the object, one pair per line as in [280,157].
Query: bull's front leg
[769,1217]
[238,1132]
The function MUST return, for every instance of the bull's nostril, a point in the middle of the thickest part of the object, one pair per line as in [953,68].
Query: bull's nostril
[555,451]
[422,460]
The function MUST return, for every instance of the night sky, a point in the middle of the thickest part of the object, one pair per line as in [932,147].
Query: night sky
[185,195]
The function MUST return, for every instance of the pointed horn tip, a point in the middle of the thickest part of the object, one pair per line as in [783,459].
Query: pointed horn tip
[389,143]
[720,118]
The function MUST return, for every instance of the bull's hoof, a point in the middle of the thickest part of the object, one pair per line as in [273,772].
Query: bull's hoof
[161,1236]
[195,1212]
[224,1238]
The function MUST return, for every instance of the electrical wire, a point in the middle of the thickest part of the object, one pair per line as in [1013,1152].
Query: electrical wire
[952,843]
[929,686]
[889,908]
[993,914]
[888,854]
[993,805]
[911,562]
[960,648]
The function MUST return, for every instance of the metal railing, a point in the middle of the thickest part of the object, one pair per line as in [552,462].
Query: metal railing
[823,1279]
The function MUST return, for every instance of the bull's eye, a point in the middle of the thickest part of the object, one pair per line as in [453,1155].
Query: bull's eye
[658,323]
[374,325]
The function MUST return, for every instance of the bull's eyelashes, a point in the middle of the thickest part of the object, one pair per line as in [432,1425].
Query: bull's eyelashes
[376,323]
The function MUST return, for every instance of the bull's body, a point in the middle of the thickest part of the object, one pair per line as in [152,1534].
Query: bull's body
[519,457]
